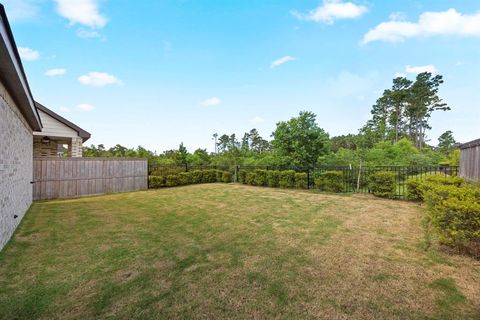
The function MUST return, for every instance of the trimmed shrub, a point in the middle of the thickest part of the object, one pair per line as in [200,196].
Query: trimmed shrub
[287,179]
[190,177]
[301,180]
[260,178]
[242,176]
[226,177]
[382,184]
[172,180]
[219,175]
[454,214]
[250,178]
[416,188]
[209,176]
[330,181]
[273,178]
[155,182]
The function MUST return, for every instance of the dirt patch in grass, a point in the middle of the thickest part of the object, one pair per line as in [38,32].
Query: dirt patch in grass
[231,251]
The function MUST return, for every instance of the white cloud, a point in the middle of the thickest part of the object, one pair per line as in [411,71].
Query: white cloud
[214,101]
[419,69]
[98,79]
[281,61]
[449,22]
[332,10]
[55,72]
[256,120]
[21,9]
[64,109]
[85,107]
[28,54]
[89,34]
[84,12]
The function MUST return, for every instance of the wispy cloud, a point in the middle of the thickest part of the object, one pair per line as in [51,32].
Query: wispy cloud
[55,72]
[89,34]
[21,9]
[447,23]
[99,79]
[332,10]
[64,109]
[214,101]
[85,107]
[256,120]
[419,69]
[281,61]
[83,12]
[28,54]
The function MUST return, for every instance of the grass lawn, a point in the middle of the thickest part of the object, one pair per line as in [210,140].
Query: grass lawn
[231,251]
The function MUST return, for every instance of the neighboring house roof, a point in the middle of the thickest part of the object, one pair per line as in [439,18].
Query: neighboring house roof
[13,76]
[470,144]
[81,133]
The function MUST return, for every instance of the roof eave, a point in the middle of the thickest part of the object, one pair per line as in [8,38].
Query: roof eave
[85,135]
[13,75]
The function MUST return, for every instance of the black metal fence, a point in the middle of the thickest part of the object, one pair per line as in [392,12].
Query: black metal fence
[355,179]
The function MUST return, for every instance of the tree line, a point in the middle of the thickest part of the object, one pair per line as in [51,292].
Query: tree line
[396,134]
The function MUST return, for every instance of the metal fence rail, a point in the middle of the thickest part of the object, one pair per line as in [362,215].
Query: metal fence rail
[355,179]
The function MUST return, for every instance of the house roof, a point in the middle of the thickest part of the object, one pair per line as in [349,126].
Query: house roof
[12,74]
[81,133]
[470,144]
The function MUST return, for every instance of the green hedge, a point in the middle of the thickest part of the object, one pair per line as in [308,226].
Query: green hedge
[330,181]
[287,179]
[274,178]
[301,180]
[382,184]
[417,187]
[453,212]
[190,177]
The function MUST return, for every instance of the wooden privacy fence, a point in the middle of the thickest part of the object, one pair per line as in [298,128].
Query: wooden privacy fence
[55,178]
[470,161]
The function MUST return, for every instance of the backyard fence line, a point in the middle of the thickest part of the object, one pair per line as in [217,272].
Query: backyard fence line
[355,179]
[56,178]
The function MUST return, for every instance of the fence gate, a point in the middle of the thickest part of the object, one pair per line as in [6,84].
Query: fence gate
[55,178]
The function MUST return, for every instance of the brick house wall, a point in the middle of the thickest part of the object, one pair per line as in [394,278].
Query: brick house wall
[16,161]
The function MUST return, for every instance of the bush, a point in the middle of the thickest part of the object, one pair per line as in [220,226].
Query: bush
[454,214]
[155,182]
[190,177]
[260,178]
[330,181]
[226,177]
[173,180]
[287,179]
[242,176]
[250,178]
[301,180]
[273,178]
[382,184]
[414,189]
[417,187]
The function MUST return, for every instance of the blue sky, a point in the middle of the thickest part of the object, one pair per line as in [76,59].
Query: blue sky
[156,73]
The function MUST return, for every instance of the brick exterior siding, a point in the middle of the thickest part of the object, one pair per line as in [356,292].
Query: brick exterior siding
[16,161]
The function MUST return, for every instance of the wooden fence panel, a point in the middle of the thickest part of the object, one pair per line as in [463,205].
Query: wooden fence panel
[55,178]
[470,161]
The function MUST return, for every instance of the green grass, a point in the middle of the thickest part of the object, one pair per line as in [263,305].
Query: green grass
[230,251]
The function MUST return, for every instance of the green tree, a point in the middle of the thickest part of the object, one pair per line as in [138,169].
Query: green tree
[424,101]
[182,154]
[300,140]
[446,142]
